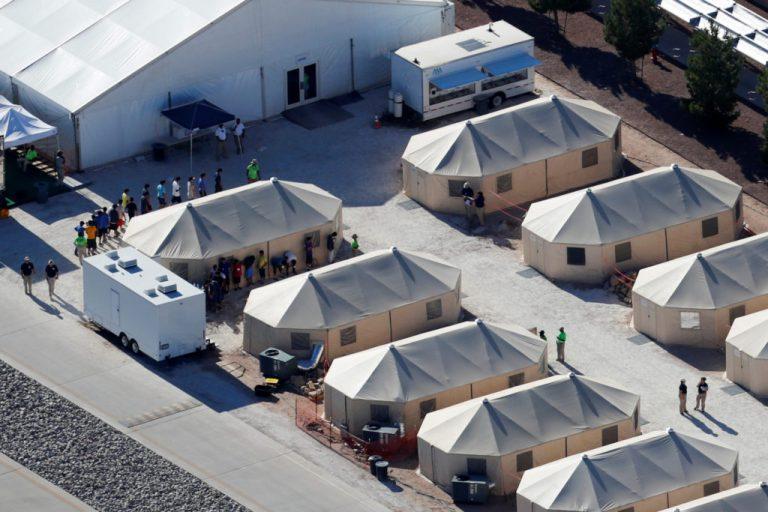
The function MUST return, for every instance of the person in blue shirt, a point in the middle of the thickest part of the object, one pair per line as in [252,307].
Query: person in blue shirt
[201,185]
[161,194]
[80,228]
[102,223]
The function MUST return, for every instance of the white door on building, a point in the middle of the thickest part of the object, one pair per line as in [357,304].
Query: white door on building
[115,318]
[648,312]
[301,85]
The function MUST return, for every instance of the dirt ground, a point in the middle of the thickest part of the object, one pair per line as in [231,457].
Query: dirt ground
[584,63]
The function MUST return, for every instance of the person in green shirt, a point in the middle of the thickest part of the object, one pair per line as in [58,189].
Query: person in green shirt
[560,342]
[80,247]
[30,157]
[253,171]
[355,245]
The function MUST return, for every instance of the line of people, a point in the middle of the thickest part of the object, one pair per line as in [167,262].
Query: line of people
[474,204]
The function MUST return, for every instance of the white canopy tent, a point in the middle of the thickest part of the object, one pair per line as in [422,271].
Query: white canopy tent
[101,71]
[746,352]
[696,298]
[744,498]
[19,127]
[550,418]
[655,470]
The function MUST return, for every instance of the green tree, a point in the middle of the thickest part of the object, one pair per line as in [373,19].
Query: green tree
[555,6]
[713,73]
[762,89]
[633,27]
[574,6]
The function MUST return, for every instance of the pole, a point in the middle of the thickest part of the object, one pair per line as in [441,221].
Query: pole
[190,153]
[352,61]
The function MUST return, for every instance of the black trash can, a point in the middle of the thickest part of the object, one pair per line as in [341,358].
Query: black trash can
[372,460]
[158,151]
[41,192]
[382,471]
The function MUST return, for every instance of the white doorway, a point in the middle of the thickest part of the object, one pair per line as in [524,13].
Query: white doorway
[301,85]
[115,318]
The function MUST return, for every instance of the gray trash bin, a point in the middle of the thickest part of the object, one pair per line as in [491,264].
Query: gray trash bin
[372,460]
[41,192]
[382,470]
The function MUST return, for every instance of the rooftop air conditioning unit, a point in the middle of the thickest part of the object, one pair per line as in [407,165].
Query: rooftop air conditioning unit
[167,287]
[113,255]
[470,488]
[127,263]
[110,267]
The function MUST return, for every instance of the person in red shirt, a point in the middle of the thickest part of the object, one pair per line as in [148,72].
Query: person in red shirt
[237,273]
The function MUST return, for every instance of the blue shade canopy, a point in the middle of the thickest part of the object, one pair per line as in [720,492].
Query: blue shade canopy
[199,114]
[512,64]
[458,78]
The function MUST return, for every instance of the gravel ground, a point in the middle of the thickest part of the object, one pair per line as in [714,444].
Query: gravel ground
[89,459]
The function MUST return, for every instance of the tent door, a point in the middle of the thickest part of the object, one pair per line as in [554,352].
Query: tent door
[115,316]
[301,85]
[648,312]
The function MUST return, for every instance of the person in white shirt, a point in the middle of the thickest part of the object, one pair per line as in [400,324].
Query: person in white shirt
[221,142]
[191,188]
[239,131]
[176,190]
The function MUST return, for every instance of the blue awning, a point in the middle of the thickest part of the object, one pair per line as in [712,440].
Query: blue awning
[512,64]
[198,114]
[458,78]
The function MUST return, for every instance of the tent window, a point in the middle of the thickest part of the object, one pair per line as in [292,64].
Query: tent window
[709,227]
[348,335]
[690,320]
[436,97]
[524,461]
[315,235]
[434,309]
[495,82]
[576,255]
[736,312]
[711,488]
[380,413]
[427,406]
[503,183]
[617,138]
[623,252]
[516,379]
[299,341]
[476,466]
[610,435]
[588,158]
[737,209]
[180,269]
[455,187]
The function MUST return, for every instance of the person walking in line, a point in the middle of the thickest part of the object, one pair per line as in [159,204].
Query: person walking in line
[237,274]
[91,231]
[330,244]
[146,199]
[278,267]
[60,165]
[683,395]
[253,171]
[125,197]
[218,184]
[480,208]
[468,196]
[701,396]
[80,247]
[560,343]
[51,275]
[309,252]
[261,265]
[221,142]
[290,260]
[542,336]
[29,158]
[102,222]
[191,188]
[130,209]
[114,218]
[176,190]
[161,197]
[239,134]
[201,185]
[27,269]
[80,228]
[355,245]
[249,269]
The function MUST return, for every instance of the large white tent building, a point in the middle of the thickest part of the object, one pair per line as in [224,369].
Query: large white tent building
[695,299]
[101,71]
[746,352]
[512,431]
[744,498]
[631,223]
[643,474]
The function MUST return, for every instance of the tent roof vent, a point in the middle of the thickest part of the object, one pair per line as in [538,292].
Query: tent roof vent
[111,267]
[113,255]
[162,278]
[151,293]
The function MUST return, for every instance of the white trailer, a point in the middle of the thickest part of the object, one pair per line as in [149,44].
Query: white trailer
[152,310]
[480,67]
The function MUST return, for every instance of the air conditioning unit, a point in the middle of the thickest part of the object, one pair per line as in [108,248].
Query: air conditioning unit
[277,364]
[127,263]
[470,489]
[166,287]
[380,434]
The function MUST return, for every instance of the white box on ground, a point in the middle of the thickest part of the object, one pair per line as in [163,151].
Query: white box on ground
[151,309]
[452,73]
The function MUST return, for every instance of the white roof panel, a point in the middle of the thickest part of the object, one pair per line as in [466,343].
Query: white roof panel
[744,498]
[435,361]
[522,417]
[632,206]
[749,17]
[18,126]
[683,10]
[750,334]
[466,43]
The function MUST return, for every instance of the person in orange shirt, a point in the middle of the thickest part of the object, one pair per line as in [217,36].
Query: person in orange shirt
[90,234]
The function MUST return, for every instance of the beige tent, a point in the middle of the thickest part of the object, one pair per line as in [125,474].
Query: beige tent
[643,474]
[631,223]
[401,382]
[516,155]
[354,304]
[694,300]
[744,498]
[274,216]
[746,352]
[504,434]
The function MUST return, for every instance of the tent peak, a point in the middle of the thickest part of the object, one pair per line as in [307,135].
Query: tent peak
[700,256]
[670,430]
[763,484]
[554,97]
[585,456]
[479,321]
[572,375]
[675,167]
[273,179]
[189,204]
[486,401]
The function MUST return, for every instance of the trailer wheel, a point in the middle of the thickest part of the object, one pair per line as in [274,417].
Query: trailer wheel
[135,347]
[496,100]
[124,341]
